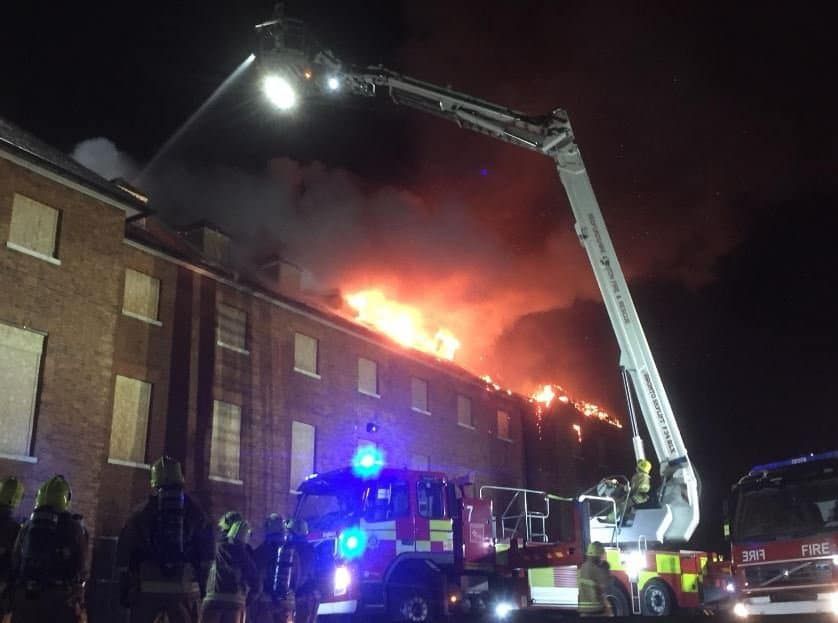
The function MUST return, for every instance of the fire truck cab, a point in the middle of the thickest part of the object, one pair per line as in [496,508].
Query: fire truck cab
[415,546]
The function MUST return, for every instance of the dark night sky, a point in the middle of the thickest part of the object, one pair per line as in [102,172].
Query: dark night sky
[708,129]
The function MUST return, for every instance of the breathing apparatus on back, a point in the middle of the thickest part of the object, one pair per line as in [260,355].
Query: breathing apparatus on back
[168,534]
[278,576]
[40,555]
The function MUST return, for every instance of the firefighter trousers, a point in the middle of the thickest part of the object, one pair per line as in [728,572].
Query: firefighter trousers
[56,605]
[268,611]
[178,607]
[222,612]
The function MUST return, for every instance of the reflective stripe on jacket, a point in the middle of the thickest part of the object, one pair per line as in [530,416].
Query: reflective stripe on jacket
[592,581]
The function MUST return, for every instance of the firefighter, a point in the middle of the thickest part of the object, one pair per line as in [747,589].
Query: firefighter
[49,559]
[165,551]
[641,482]
[305,583]
[592,580]
[226,522]
[276,561]
[11,493]
[233,579]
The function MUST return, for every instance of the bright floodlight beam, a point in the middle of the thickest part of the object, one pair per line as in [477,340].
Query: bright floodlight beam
[279,92]
[333,83]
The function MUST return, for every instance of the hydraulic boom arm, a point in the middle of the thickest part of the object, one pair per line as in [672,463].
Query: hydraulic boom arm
[285,53]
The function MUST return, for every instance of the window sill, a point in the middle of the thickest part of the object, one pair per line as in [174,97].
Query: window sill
[418,410]
[125,463]
[370,394]
[150,321]
[235,349]
[23,458]
[505,439]
[466,426]
[231,481]
[313,375]
[21,249]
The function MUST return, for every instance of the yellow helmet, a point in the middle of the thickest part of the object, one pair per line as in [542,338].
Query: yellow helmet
[239,531]
[645,466]
[228,519]
[11,492]
[595,550]
[166,472]
[55,493]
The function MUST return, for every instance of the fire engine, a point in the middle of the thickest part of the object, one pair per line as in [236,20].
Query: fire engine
[296,67]
[415,546]
[783,529]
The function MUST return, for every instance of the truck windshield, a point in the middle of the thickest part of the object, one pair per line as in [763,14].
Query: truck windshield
[781,508]
[327,511]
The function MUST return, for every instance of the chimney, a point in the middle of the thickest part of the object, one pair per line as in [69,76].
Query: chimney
[213,243]
[281,276]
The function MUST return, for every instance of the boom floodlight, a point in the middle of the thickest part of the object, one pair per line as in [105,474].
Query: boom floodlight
[333,83]
[279,91]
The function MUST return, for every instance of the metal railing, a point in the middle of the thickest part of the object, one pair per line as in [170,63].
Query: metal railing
[519,512]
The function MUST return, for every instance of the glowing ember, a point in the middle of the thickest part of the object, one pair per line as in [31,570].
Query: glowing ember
[402,323]
[546,394]
[578,430]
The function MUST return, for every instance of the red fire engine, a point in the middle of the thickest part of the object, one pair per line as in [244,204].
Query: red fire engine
[415,546]
[784,537]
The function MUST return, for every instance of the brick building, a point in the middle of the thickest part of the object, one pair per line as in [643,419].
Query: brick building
[121,340]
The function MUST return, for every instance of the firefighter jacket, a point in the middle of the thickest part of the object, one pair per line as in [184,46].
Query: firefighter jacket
[139,553]
[641,485]
[9,528]
[592,581]
[305,579]
[233,576]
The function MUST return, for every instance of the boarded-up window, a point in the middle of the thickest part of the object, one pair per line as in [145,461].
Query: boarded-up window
[302,453]
[20,363]
[231,329]
[503,426]
[305,354]
[420,462]
[131,402]
[226,440]
[34,226]
[367,377]
[142,293]
[464,412]
[419,395]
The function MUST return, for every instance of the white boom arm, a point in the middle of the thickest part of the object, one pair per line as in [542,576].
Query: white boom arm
[321,74]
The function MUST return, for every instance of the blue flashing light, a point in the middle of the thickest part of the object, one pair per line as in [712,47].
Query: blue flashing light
[484,172]
[809,458]
[367,462]
[352,543]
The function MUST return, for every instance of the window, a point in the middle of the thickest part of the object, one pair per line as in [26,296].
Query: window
[430,498]
[419,395]
[386,500]
[231,328]
[34,228]
[367,377]
[20,364]
[306,355]
[131,402]
[226,442]
[420,462]
[464,412]
[302,453]
[503,426]
[142,293]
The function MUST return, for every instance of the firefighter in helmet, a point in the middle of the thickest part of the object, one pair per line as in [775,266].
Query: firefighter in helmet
[276,561]
[233,579]
[305,583]
[49,559]
[592,580]
[165,551]
[11,493]
[641,482]
[226,522]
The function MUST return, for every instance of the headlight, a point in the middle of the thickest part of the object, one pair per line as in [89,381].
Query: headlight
[503,608]
[730,587]
[833,601]
[740,610]
[342,580]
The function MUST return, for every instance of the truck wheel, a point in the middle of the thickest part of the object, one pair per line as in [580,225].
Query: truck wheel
[656,599]
[413,605]
[616,596]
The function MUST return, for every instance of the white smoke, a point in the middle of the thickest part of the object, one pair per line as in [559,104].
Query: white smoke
[102,156]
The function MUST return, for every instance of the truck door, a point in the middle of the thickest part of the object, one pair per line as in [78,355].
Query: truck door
[433,521]
[387,517]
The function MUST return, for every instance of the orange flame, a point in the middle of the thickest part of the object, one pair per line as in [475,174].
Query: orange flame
[545,395]
[402,323]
